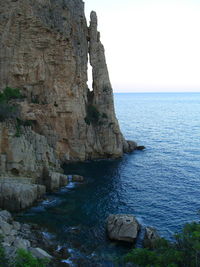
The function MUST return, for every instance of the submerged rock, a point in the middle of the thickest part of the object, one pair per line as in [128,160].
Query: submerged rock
[140,147]
[77,178]
[122,227]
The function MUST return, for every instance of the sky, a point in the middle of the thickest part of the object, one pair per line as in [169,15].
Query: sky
[150,45]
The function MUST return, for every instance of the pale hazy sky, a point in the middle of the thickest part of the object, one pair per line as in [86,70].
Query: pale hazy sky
[150,45]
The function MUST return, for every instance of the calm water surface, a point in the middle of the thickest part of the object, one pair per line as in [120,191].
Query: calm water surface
[160,186]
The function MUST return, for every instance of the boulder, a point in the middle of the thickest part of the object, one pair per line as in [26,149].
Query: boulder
[8,240]
[53,180]
[151,235]
[129,146]
[21,243]
[16,225]
[122,227]
[5,227]
[63,180]
[140,147]
[40,253]
[5,215]
[10,252]
[77,178]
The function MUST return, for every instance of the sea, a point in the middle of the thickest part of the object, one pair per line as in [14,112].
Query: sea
[159,185]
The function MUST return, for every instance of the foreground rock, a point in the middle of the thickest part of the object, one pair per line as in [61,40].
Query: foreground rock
[17,235]
[150,237]
[40,253]
[122,227]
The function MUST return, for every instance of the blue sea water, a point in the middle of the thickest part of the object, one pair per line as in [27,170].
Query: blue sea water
[160,185]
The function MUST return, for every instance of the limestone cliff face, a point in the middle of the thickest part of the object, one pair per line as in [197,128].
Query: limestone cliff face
[44,51]
[25,155]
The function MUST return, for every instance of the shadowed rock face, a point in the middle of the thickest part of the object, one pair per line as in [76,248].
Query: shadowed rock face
[44,49]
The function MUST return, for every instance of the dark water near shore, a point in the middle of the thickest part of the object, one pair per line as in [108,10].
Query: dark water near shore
[160,186]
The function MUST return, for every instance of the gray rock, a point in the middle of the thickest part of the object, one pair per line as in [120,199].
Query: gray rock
[53,180]
[5,215]
[10,252]
[5,227]
[21,243]
[63,180]
[150,237]
[132,145]
[13,232]
[40,253]
[140,147]
[15,196]
[16,225]
[122,227]
[129,146]
[9,239]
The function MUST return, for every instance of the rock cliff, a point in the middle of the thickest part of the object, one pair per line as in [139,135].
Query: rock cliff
[44,51]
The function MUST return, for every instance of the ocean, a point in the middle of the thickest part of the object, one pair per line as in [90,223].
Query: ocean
[160,185]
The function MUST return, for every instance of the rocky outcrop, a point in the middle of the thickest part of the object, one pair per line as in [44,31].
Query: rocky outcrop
[26,154]
[53,180]
[16,195]
[44,49]
[122,227]
[150,237]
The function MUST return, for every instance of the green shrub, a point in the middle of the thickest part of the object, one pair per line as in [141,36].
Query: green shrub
[19,123]
[94,116]
[104,115]
[8,110]
[26,259]
[184,252]
[9,93]
[142,257]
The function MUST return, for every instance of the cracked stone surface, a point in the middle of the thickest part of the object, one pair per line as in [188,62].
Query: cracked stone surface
[122,227]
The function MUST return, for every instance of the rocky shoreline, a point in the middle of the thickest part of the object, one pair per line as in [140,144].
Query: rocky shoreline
[32,238]
[16,235]
[42,245]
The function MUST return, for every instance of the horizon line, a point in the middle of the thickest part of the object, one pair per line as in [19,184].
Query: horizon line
[156,92]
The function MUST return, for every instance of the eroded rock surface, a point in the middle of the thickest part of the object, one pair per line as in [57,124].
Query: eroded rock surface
[15,195]
[44,48]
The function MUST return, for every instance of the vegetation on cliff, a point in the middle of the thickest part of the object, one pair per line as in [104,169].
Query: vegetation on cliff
[184,252]
[9,110]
